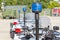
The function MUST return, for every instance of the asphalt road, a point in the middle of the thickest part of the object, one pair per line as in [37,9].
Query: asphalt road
[4,30]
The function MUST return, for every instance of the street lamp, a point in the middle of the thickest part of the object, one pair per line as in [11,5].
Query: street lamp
[37,8]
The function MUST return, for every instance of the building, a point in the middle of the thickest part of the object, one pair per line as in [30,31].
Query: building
[57,1]
[56,11]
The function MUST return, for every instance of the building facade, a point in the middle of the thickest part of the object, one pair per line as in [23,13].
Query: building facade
[57,1]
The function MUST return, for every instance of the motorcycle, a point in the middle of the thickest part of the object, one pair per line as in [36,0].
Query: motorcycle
[23,35]
[20,32]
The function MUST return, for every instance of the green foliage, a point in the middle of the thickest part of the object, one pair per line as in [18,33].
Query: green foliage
[53,4]
[0,4]
[45,3]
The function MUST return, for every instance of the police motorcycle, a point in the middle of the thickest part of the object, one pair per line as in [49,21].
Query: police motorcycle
[18,31]
[23,36]
[53,34]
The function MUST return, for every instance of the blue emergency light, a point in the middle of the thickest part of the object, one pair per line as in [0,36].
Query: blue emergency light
[36,7]
[24,9]
[19,11]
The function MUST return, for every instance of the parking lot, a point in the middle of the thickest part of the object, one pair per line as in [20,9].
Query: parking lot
[4,27]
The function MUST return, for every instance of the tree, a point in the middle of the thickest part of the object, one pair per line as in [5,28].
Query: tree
[53,4]
[45,3]
[0,4]
[14,2]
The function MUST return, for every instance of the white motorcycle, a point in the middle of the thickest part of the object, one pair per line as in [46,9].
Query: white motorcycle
[21,34]
[17,32]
